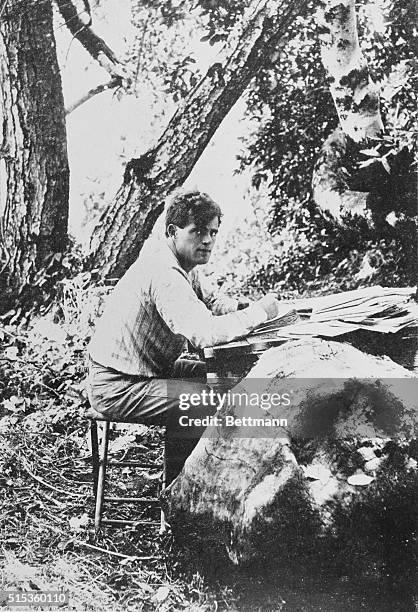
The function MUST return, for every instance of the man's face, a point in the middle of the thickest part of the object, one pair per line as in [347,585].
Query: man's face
[194,243]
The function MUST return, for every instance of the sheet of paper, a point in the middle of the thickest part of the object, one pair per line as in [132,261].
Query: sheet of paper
[319,329]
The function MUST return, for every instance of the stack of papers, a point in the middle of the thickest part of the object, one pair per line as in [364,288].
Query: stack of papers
[379,309]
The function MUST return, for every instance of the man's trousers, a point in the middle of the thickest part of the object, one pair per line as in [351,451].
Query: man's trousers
[154,401]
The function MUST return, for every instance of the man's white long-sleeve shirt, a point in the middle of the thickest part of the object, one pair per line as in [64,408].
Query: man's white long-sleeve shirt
[155,308]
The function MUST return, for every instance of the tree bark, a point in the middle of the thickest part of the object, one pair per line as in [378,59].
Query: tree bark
[34,174]
[267,492]
[355,95]
[148,180]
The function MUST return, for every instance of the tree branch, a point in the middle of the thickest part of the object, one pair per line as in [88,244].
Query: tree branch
[115,82]
[81,29]
[2,7]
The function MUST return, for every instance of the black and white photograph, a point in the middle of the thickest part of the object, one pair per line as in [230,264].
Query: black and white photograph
[208,305]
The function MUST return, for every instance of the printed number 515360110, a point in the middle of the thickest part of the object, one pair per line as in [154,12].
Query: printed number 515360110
[30,598]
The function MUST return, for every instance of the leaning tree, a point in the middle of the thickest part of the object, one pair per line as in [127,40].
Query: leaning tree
[149,179]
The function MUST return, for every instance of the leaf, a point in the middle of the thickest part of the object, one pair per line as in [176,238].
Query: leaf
[126,561]
[121,443]
[64,544]
[385,164]
[162,594]
[370,152]
[366,163]
[412,464]
[367,453]
[77,523]
[149,476]
[14,404]
[144,586]
[372,465]
[360,479]
[134,429]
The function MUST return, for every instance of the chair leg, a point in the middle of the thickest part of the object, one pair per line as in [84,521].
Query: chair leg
[94,455]
[163,521]
[99,464]
[101,476]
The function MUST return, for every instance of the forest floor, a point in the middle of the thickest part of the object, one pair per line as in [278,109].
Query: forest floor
[47,539]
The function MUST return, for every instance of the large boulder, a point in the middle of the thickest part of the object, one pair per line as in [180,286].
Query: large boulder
[339,470]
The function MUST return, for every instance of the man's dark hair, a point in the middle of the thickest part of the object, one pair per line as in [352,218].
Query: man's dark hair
[191,207]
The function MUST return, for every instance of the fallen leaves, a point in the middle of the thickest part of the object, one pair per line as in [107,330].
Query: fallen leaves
[317,472]
[360,479]
[161,594]
[78,523]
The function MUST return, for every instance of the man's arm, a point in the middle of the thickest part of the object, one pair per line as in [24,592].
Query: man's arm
[187,315]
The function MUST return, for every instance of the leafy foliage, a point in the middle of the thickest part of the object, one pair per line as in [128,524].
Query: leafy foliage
[315,254]
[157,55]
[391,48]
[45,282]
[294,112]
[311,255]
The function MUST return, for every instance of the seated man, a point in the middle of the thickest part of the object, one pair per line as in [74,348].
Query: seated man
[159,304]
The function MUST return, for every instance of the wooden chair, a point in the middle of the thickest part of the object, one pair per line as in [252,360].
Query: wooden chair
[101,463]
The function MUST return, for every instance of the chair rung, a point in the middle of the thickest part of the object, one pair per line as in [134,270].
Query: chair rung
[121,522]
[99,456]
[131,464]
[144,500]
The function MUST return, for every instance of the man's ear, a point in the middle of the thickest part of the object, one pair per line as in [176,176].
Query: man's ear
[171,230]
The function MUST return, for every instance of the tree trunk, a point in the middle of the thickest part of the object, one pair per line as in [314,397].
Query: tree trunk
[355,95]
[34,174]
[148,180]
[356,99]
[263,491]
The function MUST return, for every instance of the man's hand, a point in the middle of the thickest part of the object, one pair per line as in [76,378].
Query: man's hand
[270,304]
